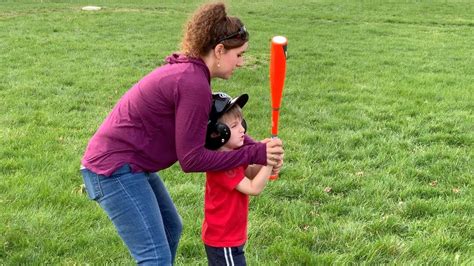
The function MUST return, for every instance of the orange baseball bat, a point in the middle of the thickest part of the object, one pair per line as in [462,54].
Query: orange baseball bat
[277,80]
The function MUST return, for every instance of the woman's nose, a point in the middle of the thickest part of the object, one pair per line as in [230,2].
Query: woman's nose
[240,62]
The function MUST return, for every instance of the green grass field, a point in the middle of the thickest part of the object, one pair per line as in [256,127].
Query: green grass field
[377,122]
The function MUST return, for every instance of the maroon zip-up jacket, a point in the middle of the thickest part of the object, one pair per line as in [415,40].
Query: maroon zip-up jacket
[163,119]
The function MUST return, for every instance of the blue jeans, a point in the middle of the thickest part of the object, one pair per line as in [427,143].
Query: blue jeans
[141,210]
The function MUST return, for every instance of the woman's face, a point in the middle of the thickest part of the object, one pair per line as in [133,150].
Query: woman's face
[230,60]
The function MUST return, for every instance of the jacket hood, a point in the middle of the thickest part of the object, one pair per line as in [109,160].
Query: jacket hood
[181,59]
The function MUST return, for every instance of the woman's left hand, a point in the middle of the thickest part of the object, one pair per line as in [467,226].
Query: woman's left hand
[279,161]
[276,169]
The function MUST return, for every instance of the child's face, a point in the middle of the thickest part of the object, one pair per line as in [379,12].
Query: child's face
[237,132]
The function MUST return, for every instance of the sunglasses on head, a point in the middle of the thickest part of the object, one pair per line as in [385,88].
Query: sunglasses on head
[241,34]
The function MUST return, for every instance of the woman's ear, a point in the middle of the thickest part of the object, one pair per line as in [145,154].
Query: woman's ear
[219,50]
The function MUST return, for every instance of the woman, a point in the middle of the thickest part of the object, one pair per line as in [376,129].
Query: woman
[163,119]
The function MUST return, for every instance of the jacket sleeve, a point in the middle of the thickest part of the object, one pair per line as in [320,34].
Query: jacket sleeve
[248,140]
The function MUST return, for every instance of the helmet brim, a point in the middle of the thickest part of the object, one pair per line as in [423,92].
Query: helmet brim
[240,101]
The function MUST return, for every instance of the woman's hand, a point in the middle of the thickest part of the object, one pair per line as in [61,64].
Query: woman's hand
[274,152]
[276,169]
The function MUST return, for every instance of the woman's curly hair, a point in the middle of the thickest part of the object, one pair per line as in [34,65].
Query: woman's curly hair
[206,27]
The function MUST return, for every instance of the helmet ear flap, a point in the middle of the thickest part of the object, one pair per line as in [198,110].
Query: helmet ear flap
[217,136]
[223,131]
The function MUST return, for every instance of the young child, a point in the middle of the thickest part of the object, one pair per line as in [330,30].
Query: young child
[224,230]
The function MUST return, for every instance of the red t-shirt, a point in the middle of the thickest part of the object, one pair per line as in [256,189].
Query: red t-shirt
[225,209]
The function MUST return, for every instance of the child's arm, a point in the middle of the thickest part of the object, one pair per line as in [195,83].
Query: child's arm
[252,170]
[257,184]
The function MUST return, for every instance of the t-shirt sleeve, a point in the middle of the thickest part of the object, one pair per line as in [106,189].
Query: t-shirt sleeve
[227,179]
